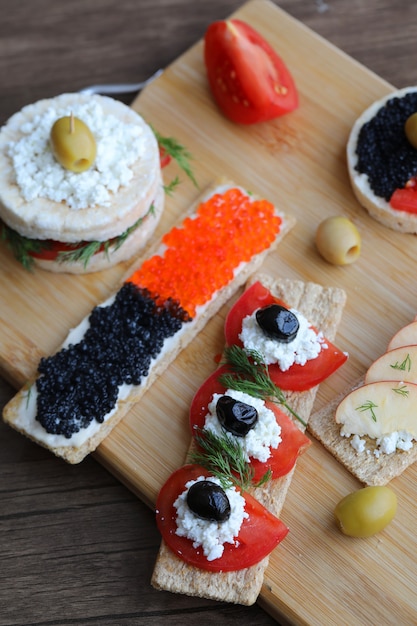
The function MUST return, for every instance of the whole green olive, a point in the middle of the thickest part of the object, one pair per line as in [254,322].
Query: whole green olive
[366,512]
[410,129]
[73,144]
[338,240]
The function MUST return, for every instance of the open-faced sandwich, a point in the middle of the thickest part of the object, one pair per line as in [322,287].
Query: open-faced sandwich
[372,429]
[80,183]
[382,160]
[109,360]
[247,433]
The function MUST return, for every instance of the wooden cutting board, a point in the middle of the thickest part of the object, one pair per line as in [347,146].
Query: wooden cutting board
[317,576]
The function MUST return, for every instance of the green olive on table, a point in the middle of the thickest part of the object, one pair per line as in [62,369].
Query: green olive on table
[410,129]
[365,512]
[73,144]
[338,240]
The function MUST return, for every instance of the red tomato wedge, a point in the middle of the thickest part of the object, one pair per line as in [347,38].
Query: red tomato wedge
[405,199]
[297,377]
[248,79]
[282,460]
[259,534]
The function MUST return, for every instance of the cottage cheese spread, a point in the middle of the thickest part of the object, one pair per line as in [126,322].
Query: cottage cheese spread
[306,345]
[211,536]
[260,439]
[38,174]
[384,445]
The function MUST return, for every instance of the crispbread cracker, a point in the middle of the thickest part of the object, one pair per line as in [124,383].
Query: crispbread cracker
[76,453]
[368,468]
[323,307]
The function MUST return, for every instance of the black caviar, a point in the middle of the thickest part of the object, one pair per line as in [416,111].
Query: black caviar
[384,153]
[80,383]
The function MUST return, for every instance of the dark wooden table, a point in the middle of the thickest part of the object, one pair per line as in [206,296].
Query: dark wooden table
[76,547]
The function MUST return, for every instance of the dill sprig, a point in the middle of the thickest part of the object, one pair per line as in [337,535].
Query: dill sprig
[402,391]
[84,252]
[178,152]
[224,458]
[404,365]
[368,406]
[250,375]
[170,188]
[22,247]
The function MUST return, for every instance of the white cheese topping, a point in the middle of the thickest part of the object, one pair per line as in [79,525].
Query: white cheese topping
[384,445]
[260,439]
[211,536]
[306,345]
[38,173]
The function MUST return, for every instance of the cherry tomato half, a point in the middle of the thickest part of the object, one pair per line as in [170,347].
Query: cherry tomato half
[248,79]
[259,534]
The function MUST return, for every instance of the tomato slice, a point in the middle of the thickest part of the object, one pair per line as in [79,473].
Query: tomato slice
[51,249]
[405,199]
[260,533]
[164,157]
[282,460]
[297,377]
[248,79]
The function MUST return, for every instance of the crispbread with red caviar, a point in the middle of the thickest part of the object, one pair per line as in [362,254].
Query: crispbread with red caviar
[253,239]
[323,307]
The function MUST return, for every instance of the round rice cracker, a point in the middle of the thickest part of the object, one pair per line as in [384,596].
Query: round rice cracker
[376,206]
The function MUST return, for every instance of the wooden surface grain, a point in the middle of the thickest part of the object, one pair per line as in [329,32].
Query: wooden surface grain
[76,546]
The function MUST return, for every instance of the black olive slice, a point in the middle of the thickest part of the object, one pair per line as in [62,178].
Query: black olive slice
[278,322]
[208,501]
[235,416]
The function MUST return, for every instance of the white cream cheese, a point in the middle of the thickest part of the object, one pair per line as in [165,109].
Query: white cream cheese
[388,444]
[210,536]
[260,439]
[306,345]
[38,174]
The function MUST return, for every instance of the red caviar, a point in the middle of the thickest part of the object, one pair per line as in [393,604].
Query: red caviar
[202,255]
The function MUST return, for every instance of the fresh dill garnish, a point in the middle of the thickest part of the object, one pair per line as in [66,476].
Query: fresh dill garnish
[368,406]
[178,152]
[22,247]
[402,391]
[404,366]
[169,189]
[224,458]
[85,251]
[250,375]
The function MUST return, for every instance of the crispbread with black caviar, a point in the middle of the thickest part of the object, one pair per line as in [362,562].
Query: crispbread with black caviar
[21,411]
[323,307]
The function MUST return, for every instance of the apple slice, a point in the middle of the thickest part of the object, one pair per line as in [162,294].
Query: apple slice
[398,364]
[406,336]
[378,409]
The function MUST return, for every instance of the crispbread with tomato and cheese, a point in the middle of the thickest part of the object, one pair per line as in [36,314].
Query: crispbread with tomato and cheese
[323,308]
